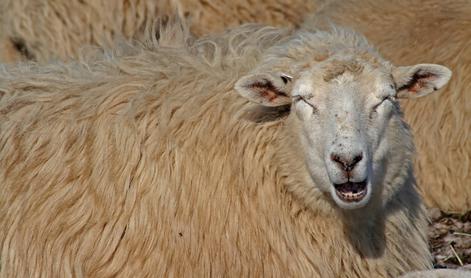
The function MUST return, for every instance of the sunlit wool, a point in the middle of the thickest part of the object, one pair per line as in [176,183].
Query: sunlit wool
[145,162]
[46,29]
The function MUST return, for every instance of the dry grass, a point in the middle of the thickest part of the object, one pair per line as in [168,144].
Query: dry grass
[450,239]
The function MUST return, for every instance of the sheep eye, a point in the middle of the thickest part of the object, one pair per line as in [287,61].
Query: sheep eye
[297,98]
[301,98]
[389,98]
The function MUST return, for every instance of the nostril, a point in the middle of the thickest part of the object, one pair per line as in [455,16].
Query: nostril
[357,159]
[353,162]
[341,161]
[347,164]
[336,158]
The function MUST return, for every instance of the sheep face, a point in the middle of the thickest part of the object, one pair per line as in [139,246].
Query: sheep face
[345,114]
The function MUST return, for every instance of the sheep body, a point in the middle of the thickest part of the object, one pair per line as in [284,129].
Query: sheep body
[59,29]
[139,163]
[441,127]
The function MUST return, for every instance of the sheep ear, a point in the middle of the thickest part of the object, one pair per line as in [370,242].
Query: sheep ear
[420,80]
[265,88]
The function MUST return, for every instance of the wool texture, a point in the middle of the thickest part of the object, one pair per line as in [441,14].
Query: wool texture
[404,31]
[141,163]
[44,29]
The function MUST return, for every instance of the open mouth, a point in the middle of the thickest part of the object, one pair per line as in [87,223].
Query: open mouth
[351,191]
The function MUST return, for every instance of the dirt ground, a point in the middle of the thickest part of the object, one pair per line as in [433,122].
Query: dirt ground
[450,239]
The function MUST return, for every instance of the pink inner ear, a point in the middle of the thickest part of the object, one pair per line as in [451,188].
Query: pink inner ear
[417,86]
[418,82]
[267,90]
[269,95]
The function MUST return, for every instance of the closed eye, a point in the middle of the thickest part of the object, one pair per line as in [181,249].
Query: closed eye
[389,98]
[305,98]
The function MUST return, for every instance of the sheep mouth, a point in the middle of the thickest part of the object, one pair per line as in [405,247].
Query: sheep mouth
[351,191]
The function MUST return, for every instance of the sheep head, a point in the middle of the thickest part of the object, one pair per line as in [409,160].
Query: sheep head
[345,114]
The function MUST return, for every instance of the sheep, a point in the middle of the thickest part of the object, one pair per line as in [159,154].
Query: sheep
[415,31]
[444,164]
[260,151]
[59,29]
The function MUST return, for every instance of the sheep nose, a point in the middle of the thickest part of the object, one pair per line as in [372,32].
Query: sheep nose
[346,162]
